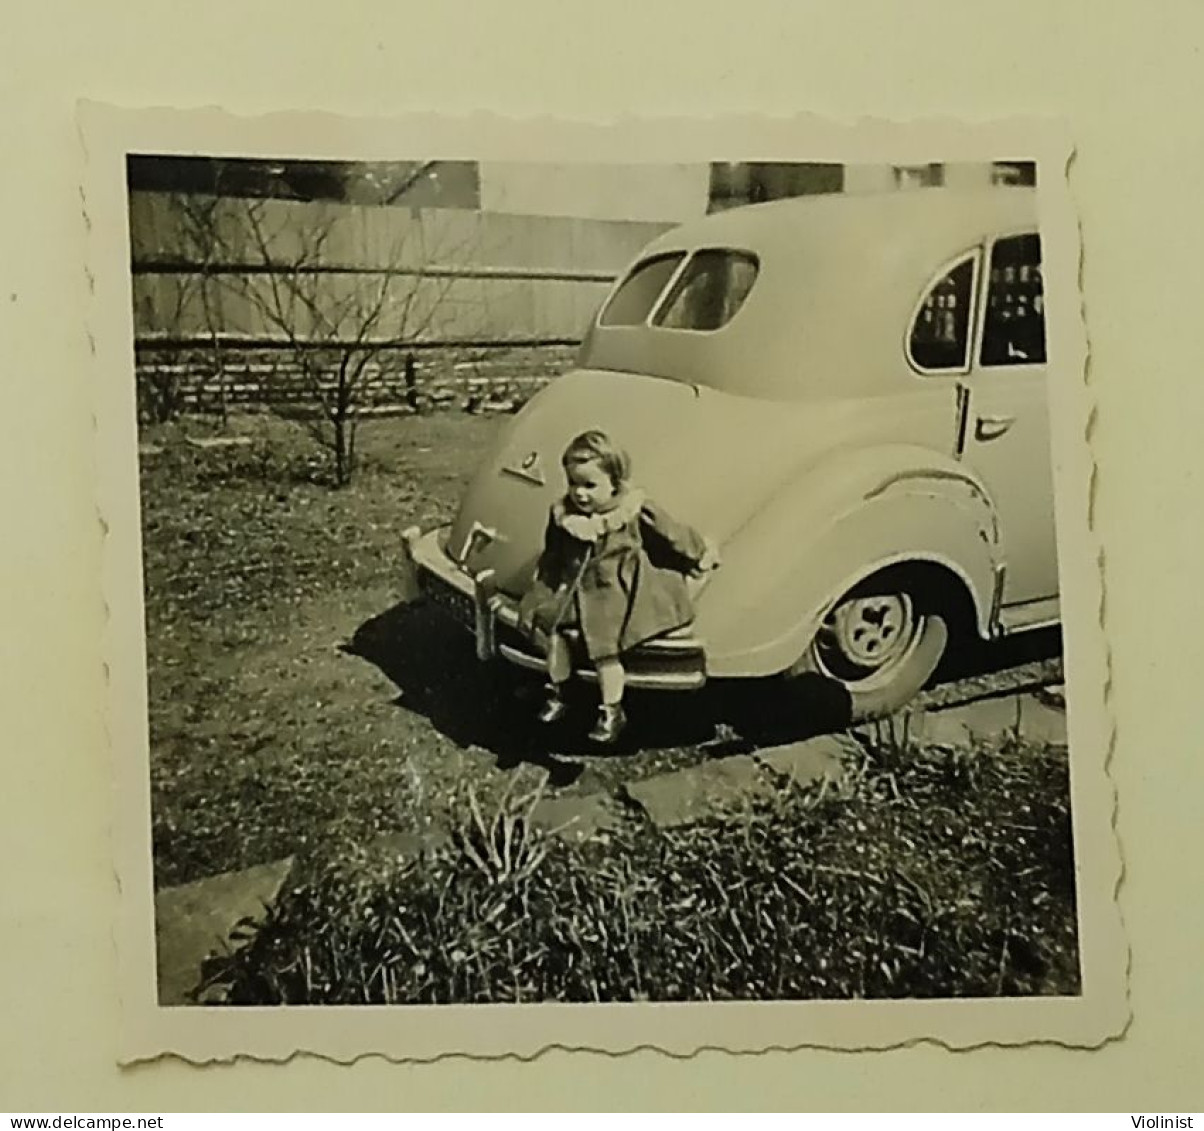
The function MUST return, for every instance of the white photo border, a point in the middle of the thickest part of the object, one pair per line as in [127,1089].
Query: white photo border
[203,1034]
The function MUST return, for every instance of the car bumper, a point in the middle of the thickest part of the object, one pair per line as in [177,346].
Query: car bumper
[675,662]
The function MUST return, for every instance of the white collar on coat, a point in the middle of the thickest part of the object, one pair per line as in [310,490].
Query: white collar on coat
[591,527]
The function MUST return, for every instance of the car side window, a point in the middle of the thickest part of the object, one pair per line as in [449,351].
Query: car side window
[1013,328]
[631,304]
[709,291]
[939,339]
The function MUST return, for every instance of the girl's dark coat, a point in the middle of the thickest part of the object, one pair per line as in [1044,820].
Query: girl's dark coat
[619,591]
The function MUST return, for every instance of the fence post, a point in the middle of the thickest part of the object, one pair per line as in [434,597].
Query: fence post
[411,380]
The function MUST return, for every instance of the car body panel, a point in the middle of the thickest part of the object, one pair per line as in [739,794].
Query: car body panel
[709,458]
[799,435]
[854,514]
[825,263]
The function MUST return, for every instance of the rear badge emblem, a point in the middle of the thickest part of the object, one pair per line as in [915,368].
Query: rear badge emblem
[530,469]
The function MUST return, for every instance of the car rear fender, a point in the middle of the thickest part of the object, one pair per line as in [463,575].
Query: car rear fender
[852,515]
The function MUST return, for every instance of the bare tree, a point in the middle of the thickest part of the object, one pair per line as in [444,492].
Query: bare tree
[165,305]
[346,327]
[203,248]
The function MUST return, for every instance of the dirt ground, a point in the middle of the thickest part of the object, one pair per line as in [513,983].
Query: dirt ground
[293,699]
[296,705]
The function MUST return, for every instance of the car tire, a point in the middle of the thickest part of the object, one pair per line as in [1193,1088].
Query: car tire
[875,650]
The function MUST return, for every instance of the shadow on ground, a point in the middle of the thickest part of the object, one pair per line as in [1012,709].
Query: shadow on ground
[492,706]
[979,658]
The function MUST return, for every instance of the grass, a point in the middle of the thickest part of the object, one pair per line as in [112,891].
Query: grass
[931,875]
[256,524]
[264,737]
[927,877]
[292,703]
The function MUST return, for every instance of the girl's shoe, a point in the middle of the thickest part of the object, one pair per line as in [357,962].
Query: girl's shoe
[554,707]
[610,724]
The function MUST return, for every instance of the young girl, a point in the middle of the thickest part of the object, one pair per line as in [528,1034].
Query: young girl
[613,567]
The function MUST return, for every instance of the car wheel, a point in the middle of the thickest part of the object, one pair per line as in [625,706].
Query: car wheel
[878,646]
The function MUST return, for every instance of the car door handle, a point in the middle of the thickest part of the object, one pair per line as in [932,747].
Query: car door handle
[992,427]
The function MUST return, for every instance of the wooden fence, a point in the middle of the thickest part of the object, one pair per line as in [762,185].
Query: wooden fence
[490,276]
[474,307]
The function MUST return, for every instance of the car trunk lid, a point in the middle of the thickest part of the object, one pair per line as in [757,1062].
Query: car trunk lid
[707,457]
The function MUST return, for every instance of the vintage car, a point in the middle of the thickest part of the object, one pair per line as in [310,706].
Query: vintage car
[847,392]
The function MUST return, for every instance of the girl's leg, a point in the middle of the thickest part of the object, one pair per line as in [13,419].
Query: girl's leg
[559,662]
[611,679]
[611,719]
[560,667]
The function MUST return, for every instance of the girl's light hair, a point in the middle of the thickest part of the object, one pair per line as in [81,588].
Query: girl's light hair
[596,446]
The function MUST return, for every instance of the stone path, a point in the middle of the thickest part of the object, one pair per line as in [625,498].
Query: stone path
[578,819]
[1024,716]
[726,786]
[198,919]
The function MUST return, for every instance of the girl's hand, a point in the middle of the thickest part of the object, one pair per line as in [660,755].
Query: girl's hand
[710,559]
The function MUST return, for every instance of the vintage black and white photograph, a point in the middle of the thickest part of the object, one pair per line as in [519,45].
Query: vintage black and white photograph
[601,582]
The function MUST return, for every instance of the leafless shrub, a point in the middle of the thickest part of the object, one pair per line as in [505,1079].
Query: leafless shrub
[345,328]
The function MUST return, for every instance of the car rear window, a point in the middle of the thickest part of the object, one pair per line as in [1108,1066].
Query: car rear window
[631,304]
[709,292]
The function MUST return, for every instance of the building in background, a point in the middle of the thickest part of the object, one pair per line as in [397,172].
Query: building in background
[665,193]
[737,183]
[415,184]
[733,184]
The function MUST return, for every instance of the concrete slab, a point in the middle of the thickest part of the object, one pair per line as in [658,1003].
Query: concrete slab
[709,790]
[982,720]
[1053,696]
[944,728]
[1041,722]
[208,442]
[577,819]
[990,720]
[811,760]
[195,920]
